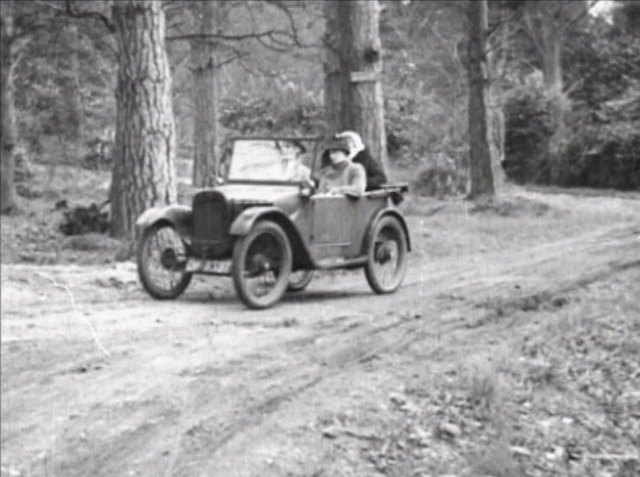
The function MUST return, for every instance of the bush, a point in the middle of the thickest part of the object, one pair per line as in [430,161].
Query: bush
[529,125]
[601,156]
[440,179]
[23,167]
[600,65]
[84,220]
[100,155]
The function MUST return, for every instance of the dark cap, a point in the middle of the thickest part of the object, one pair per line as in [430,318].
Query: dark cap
[337,144]
[293,142]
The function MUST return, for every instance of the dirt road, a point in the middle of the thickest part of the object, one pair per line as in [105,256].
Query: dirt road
[99,379]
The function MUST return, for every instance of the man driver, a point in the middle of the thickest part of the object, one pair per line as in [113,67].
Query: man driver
[291,161]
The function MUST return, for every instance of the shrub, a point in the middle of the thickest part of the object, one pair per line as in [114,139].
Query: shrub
[83,220]
[100,155]
[529,125]
[601,156]
[440,179]
[600,65]
[23,167]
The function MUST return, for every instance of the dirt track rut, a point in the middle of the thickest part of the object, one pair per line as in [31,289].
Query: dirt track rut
[187,385]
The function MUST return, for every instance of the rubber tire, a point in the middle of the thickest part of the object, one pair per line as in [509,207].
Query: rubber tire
[302,283]
[147,283]
[240,249]
[388,221]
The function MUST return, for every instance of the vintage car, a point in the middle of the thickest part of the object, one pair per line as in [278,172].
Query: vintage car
[269,230]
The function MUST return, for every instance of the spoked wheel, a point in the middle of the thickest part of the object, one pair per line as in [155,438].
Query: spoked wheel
[387,256]
[162,261]
[262,265]
[299,280]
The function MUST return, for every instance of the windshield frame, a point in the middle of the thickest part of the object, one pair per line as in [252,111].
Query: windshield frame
[313,141]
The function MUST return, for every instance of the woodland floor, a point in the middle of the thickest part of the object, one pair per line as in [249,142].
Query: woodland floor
[511,349]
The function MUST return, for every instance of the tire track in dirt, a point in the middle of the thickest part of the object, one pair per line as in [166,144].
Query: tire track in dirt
[378,340]
[206,424]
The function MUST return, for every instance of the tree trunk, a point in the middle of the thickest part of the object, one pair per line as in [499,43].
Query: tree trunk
[496,57]
[552,66]
[205,99]
[336,66]
[72,98]
[479,153]
[545,23]
[7,109]
[353,68]
[145,143]
[367,102]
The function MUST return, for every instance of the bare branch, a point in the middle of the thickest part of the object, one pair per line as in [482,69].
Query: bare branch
[500,24]
[69,10]
[581,15]
[292,23]
[272,47]
[48,4]
[231,59]
[222,36]
[217,66]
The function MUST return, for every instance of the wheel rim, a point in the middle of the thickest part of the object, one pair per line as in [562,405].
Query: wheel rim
[263,266]
[164,258]
[387,259]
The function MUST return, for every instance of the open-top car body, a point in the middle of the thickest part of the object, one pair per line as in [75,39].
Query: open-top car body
[269,229]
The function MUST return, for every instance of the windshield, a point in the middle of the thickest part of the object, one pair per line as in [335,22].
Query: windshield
[282,160]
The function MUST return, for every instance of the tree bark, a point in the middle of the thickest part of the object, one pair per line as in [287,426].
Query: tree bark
[7,110]
[353,68]
[481,176]
[545,24]
[336,66]
[145,143]
[367,102]
[205,98]
[72,96]
[496,66]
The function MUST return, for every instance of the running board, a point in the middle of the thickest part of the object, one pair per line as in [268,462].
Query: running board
[333,263]
[223,267]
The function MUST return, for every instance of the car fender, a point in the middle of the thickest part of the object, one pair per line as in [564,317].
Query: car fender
[393,212]
[177,215]
[243,222]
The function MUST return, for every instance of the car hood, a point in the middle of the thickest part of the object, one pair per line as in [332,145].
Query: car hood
[267,194]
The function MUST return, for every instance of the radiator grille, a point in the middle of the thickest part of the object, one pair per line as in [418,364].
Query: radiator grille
[211,222]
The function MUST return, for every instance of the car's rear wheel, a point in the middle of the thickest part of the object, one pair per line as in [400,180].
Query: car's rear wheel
[261,265]
[387,256]
[299,280]
[162,260]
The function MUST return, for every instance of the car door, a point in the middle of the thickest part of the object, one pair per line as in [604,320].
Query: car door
[332,222]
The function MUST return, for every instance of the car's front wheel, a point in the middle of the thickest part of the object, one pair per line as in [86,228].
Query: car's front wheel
[162,260]
[261,265]
[387,256]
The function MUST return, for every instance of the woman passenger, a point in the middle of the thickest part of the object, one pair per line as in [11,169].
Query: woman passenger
[340,175]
